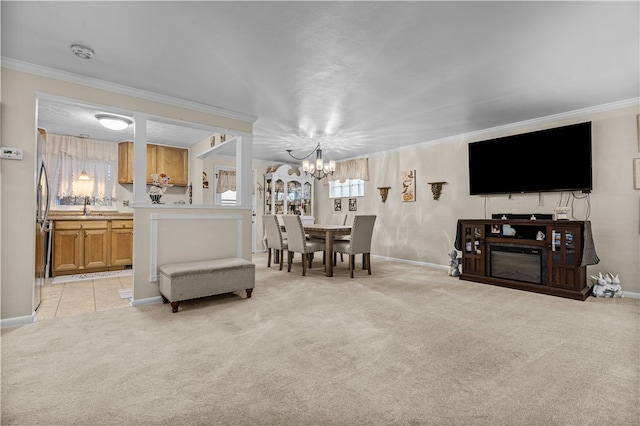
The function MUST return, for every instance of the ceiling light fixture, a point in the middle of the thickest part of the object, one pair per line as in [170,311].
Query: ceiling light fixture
[82,52]
[113,122]
[317,169]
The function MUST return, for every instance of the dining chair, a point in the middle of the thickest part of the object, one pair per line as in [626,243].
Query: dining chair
[360,242]
[297,242]
[275,240]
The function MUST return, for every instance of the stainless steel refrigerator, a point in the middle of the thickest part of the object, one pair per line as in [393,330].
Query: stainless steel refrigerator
[43,225]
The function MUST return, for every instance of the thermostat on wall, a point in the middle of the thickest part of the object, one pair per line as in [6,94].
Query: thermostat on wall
[11,153]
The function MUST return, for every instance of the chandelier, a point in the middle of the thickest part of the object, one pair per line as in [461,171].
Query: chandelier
[318,169]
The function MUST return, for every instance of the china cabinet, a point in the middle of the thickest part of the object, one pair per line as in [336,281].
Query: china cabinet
[288,191]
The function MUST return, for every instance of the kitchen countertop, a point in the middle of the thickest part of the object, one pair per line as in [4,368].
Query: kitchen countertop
[100,215]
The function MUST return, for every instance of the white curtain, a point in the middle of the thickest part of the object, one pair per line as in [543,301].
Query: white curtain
[68,156]
[352,169]
[226,181]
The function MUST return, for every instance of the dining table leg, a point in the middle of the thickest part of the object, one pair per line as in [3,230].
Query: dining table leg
[329,252]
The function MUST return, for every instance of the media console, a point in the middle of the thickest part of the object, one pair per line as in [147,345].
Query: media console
[541,256]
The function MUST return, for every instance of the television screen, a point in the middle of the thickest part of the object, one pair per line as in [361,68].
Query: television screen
[556,159]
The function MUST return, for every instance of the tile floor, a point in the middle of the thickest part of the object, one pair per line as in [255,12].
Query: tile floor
[72,298]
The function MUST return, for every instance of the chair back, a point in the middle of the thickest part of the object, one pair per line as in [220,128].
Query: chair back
[273,231]
[338,219]
[296,239]
[361,233]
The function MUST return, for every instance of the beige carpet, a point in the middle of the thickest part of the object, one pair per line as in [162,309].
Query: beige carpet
[406,345]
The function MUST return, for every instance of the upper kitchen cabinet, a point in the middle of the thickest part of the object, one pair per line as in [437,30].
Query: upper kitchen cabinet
[160,159]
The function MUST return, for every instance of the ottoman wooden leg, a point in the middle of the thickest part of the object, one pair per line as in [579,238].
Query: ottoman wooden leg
[249,291]
[174,306]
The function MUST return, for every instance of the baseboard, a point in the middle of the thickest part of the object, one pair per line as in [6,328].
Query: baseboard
[630,295]
[13,322]
[146,301]
[411,262]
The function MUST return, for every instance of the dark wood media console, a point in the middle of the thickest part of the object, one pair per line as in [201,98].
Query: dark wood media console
[541,256]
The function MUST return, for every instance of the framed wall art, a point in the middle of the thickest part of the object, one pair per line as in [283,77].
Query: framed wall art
[408,185]
[353,205]
[337,205]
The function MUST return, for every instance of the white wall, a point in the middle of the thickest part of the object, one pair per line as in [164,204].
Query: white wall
[424,230]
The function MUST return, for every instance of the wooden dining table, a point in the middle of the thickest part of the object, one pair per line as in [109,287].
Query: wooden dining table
[329,232]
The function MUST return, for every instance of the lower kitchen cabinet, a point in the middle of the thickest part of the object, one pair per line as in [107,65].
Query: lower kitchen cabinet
[91,246]
[121,242]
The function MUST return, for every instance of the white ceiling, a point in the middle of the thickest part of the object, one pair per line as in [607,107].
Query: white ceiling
[360,77]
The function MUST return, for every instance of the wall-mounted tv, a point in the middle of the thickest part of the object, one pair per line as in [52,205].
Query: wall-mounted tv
[556,159]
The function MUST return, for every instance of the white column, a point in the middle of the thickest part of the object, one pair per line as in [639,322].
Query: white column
[244,170]
[140,159]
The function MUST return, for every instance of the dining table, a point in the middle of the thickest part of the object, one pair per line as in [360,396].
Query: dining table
[329,232]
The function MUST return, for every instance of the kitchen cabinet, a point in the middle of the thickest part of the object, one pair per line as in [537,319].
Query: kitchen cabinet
[80,245]
[160,159]
[91,245]
[121,243]
[289,191]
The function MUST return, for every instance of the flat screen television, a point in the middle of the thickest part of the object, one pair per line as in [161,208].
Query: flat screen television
[556,159]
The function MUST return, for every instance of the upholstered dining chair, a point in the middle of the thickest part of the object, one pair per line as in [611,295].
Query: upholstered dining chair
[275,240]
[359,243]
[297,242]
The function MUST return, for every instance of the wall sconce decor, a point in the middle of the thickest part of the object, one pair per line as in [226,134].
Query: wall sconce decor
[436,189]
[384,191]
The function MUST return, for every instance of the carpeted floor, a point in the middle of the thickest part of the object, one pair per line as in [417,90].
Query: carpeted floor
[406,345]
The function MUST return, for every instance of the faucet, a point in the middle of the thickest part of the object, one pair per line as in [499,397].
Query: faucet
[85,210]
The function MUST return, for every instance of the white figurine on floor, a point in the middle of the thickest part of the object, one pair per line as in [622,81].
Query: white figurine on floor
[606,285]
[454,263]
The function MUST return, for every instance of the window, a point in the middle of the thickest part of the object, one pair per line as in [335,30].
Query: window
[67,156]
[348,188]
[225,186]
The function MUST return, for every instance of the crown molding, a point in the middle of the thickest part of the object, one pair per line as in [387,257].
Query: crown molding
[484,133]
[121,89]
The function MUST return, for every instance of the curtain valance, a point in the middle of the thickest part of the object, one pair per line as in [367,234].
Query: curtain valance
[352,169]
[226,181]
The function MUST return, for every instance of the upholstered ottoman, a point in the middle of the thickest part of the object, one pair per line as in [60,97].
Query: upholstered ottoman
[191,280]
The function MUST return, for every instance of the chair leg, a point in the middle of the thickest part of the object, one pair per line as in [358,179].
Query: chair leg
[304,264]
[368,262]
[281,258]
[335,256]
[341,258]
[269,258]
[352,262]
[310,257]
[290,258]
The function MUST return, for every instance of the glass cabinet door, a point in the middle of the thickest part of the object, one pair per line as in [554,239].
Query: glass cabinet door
[563,246]
[279,203]
[473,250]
[294,197]
[268,194]
[306,199]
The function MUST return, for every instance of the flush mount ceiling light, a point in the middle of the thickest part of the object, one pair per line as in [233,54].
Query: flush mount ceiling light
[81,51]
[113,122]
